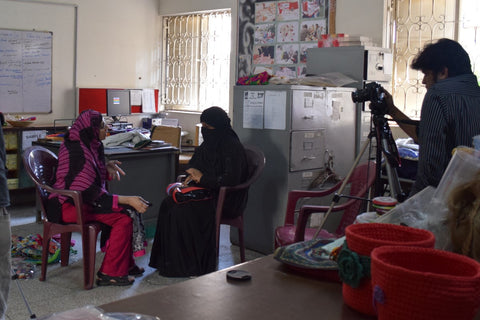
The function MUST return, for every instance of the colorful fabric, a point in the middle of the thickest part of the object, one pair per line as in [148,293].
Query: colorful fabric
[30,248]
[257,79]
[306,254]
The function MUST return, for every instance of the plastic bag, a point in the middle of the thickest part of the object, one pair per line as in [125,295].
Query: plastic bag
[428,209]
[90,312]
[422,211]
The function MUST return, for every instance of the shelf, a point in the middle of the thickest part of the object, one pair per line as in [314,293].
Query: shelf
[16,140]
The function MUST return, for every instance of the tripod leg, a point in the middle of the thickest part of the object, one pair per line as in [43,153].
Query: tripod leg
[390,152]
[344,183]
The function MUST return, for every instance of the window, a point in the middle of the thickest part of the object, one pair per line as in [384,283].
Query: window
[196,61]
[417,22]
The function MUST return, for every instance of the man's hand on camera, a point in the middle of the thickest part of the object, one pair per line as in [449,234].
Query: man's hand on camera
[391,109]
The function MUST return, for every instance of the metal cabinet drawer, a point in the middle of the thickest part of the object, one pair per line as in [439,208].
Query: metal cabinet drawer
[306,179]
[308,109]
[307,149]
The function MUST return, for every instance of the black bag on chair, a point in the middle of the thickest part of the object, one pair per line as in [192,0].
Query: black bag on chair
[181,194]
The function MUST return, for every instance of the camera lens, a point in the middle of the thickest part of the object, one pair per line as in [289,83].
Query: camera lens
[360,95]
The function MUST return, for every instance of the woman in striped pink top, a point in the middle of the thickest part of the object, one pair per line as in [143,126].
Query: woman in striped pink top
[82,167]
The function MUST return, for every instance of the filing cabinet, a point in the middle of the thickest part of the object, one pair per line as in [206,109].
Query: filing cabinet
[361,63]
[298,128]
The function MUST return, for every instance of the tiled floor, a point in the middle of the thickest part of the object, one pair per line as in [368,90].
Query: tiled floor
[63,289]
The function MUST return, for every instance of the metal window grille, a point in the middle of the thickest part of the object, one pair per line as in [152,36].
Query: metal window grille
[414,23]
[196,61]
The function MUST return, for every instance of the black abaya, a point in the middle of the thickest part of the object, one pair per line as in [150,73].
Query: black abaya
[185,239]
[184,242]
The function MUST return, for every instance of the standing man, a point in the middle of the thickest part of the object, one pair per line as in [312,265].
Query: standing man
[450,114]
[5,235]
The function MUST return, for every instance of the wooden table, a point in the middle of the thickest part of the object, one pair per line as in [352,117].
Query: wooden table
[273,293]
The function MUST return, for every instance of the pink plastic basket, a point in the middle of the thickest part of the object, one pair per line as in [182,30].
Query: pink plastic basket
[361,239]
[424,283]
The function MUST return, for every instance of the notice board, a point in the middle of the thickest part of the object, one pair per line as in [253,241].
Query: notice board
[25,71]
[274,36]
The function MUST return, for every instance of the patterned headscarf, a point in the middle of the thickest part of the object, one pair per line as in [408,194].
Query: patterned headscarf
[86,130]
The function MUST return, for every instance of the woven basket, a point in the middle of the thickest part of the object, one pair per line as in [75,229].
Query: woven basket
[362,239]
[422,284]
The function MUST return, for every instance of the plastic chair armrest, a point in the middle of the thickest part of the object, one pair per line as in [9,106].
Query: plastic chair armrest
[74,194]
[307,210]
[295,195]
[181,178]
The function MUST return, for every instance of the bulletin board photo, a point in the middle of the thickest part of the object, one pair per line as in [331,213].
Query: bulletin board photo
[274,35]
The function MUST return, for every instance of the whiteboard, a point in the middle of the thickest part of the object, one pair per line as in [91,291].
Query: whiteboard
[25,71]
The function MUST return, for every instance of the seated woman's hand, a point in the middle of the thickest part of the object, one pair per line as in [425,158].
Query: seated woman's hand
[114,171]
[194,174]
[136,202]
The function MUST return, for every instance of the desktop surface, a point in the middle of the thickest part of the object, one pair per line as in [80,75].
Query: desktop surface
[272,293]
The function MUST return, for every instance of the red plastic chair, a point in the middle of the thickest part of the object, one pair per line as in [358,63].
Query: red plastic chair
[359,184]
[41,165]
[256,163]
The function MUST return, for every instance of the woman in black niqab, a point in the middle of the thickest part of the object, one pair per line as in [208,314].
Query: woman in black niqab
[184,243]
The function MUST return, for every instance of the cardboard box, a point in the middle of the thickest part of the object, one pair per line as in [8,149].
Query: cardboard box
[12,161]
[12,183]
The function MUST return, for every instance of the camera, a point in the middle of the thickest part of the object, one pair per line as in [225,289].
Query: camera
[372,92]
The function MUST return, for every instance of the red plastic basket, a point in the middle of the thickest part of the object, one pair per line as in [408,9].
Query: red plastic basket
[362,239]
[424,283]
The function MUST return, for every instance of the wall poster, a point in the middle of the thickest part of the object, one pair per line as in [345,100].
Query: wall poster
[274,35]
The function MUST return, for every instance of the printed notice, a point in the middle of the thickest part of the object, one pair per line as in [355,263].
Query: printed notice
[275,110]
[136,97]
[148,100]
[253,102]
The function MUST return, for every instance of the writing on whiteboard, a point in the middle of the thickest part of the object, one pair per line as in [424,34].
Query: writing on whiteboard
[25,71]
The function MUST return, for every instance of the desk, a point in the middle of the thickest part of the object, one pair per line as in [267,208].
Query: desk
[273,293]
[148,173]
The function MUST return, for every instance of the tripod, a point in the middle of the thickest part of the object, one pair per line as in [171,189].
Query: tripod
[385,146]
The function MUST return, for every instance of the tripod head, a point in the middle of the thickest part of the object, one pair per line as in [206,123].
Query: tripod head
[372,92]
[386,145]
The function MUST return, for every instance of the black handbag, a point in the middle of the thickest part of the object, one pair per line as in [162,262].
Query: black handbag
[182,194]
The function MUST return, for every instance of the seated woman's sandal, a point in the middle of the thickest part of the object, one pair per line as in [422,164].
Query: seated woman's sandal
[136,271]
[106,280]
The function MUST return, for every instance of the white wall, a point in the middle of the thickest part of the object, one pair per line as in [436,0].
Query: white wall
[118,41]
[114,44]
[361,17]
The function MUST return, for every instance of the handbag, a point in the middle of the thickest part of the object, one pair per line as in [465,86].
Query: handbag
[182,194]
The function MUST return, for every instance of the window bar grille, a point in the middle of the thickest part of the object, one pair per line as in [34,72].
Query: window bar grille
[196,63]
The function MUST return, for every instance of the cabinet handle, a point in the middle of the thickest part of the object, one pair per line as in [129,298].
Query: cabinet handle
[308,117]
[309,158]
